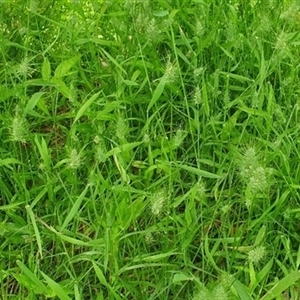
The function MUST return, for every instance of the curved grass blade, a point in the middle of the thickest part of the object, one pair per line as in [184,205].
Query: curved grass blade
[199,172]
[85,106]
[56,288]
[282,285]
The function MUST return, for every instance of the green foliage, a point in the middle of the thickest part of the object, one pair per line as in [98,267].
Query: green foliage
[149,149]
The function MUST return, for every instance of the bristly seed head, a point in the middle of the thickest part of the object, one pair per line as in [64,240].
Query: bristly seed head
[258,180]
[197,99]
[257,254]
[171,72]
[121,128]
[253,172]
[74,159]
[219,293]
[146,139]
[149,238]
[157,202]
[200,28]
[100,154]
[19,129]
[178,138]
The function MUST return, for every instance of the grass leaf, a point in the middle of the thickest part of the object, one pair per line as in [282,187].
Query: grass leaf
[85,106]
[46,69]
[56,288]
[64,67]
[196,171]
[32,102]
[282,285]
[34,280]
[241,290]
[157,93]
[36,230]
[75,209]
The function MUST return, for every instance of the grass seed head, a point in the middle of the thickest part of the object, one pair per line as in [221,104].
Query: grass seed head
[257,254]
[24,69]
[258,180]
[19,129]
[158,201]
[200,28]
[178,138]
[203,294]
[149,238]
[197,99]
[171,72]
[146,139]
[100,154]
[280,118]
[247,162]
[201,189]
[152,31]
[281,42]
[248,203]
[250,156]
[227,280]
[219,293]
[231,32]
[74,159]
[121,128]
[225,209]
[96,139]
[292,13]
[198,74]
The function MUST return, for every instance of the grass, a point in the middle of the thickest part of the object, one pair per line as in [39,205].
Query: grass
[149,149]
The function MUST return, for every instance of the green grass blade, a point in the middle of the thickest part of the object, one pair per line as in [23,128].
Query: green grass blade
[9,161]
[33,102]
[43,149]
[10,206]
[157,93]
[205,99]
[237,77]
[85,106]
[62,87]
[241,290]
[113,61]
[46,69]
[56,288]
[104,282]
[198,172]
[35,228]
[265,271]
[75,209]
[282,286]
[252,111]
[209,254]
[100,274]
[34,280]
[260,236]
[123,148]
[64,67]
[180,277]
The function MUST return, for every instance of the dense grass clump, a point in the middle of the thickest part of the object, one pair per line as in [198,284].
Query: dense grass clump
[149,149]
